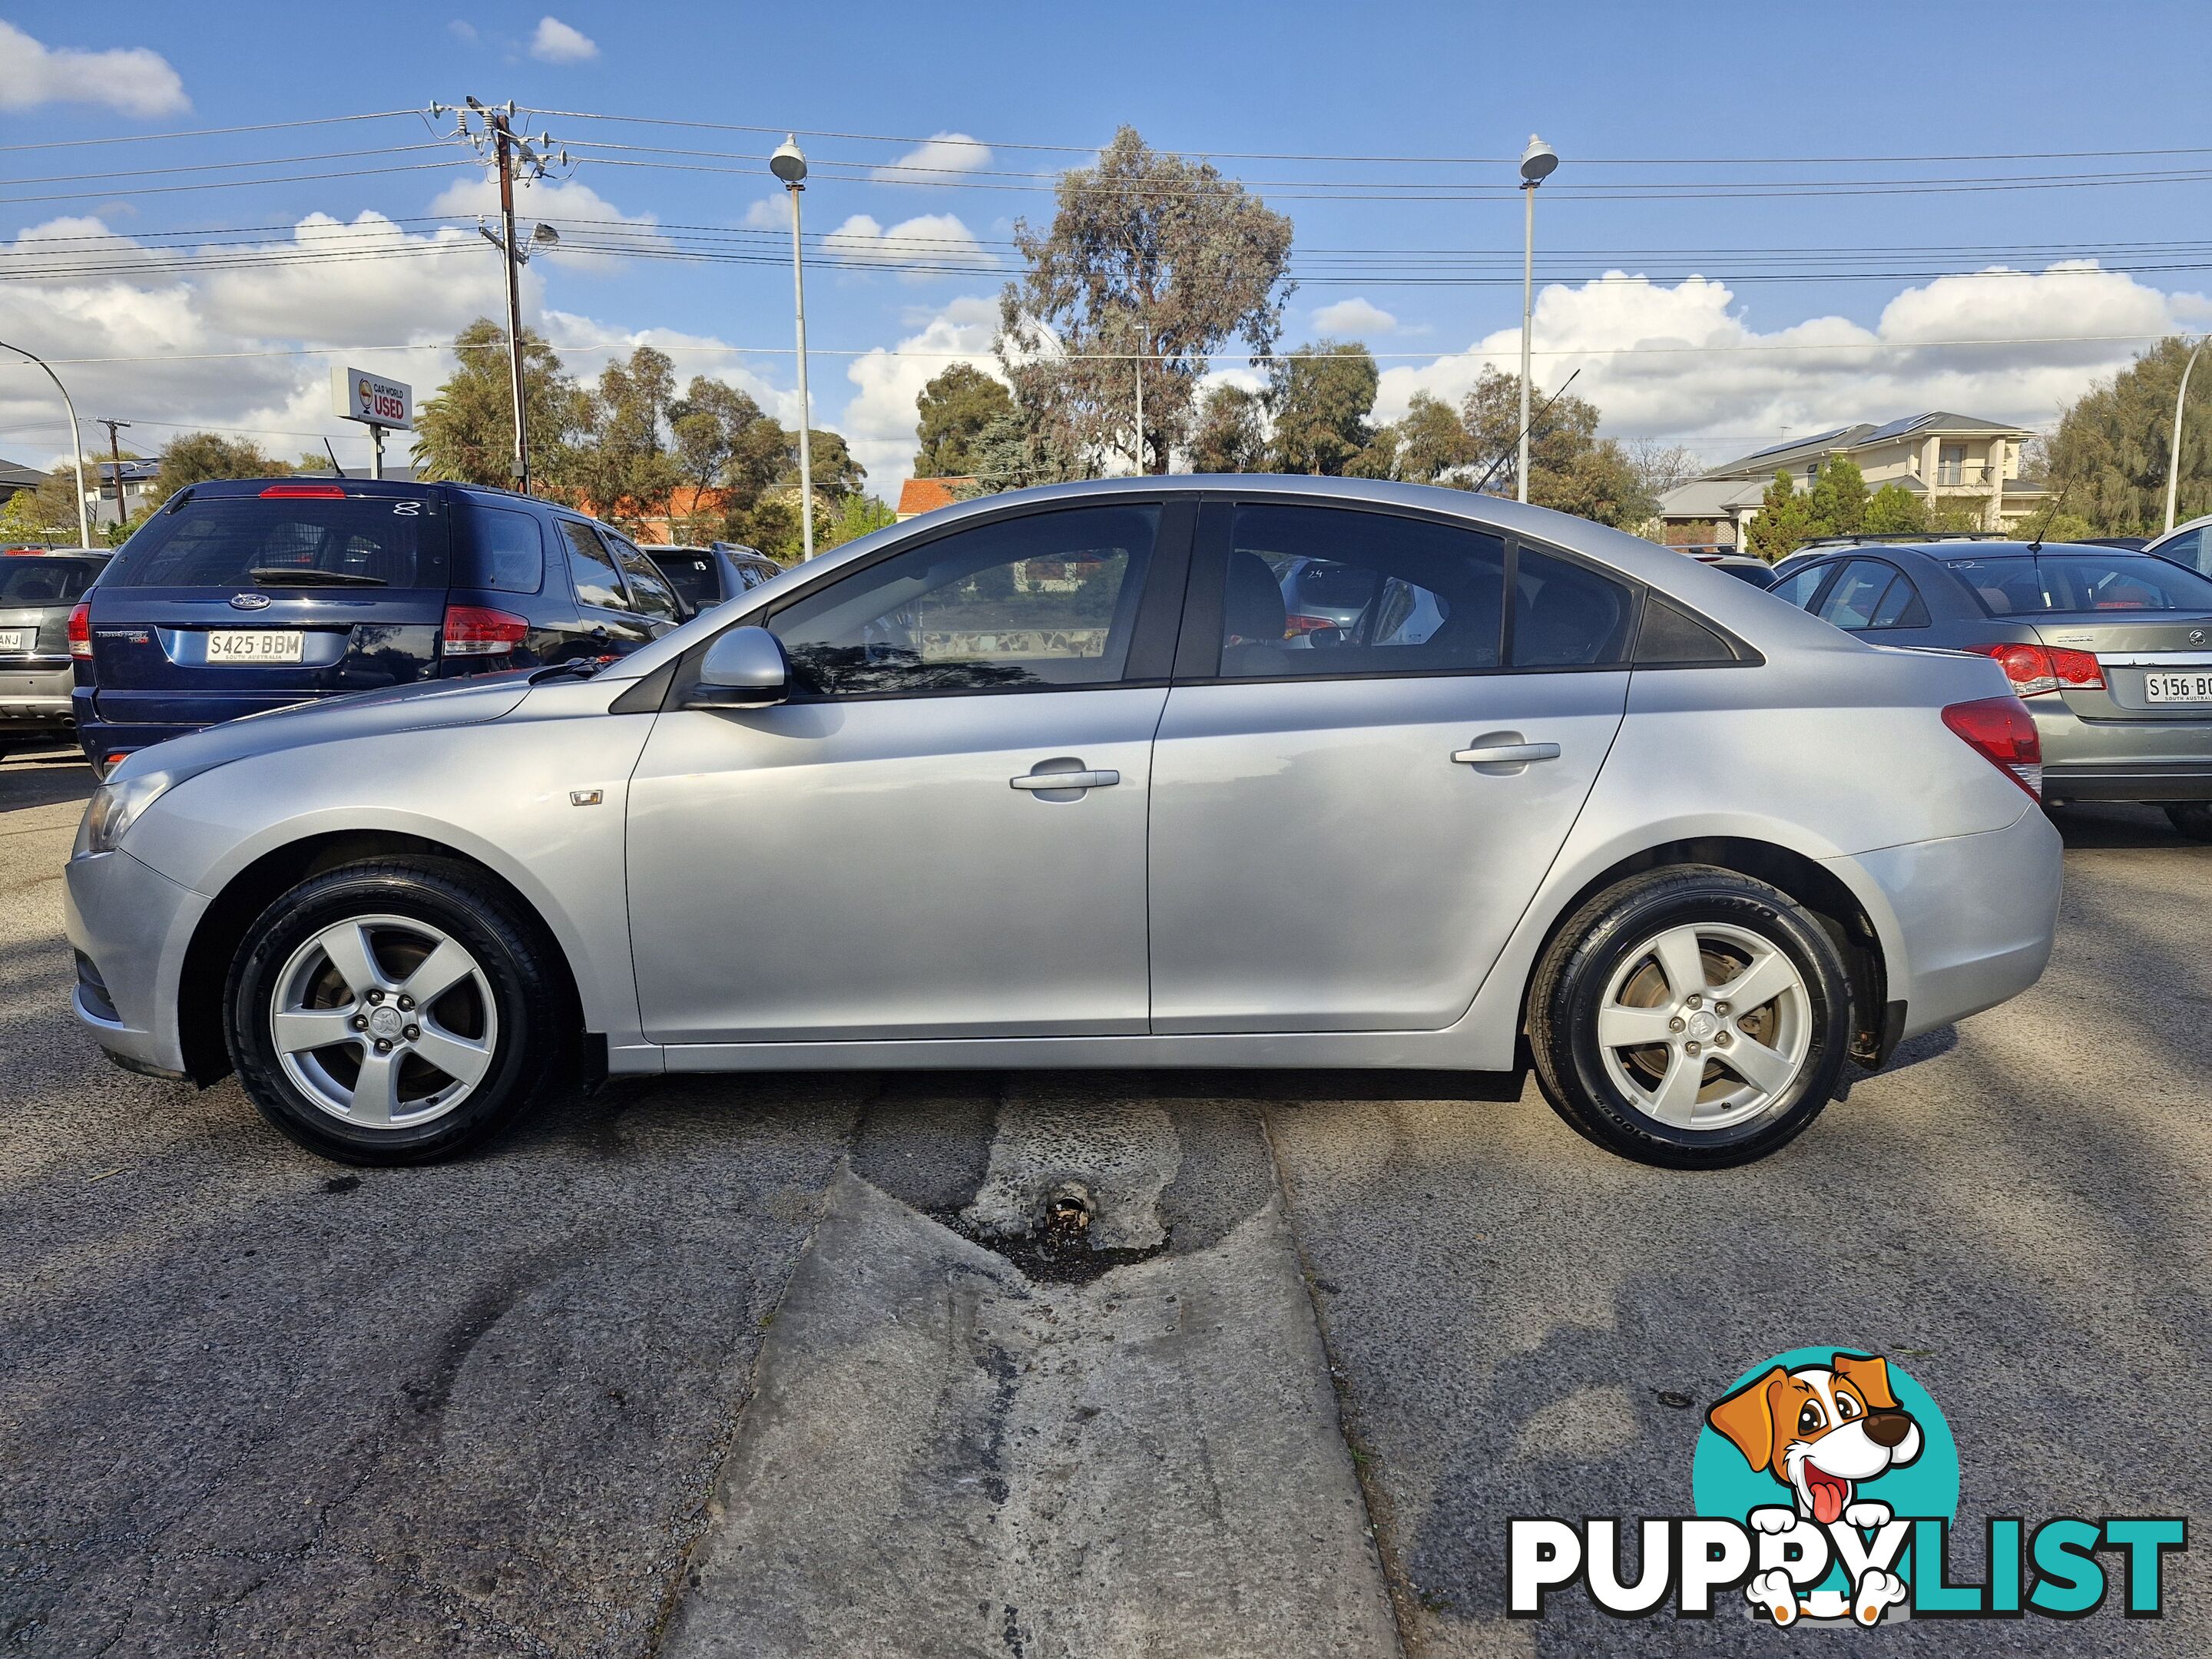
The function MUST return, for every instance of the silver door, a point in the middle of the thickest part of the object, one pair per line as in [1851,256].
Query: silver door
[944,834]
[1342,843]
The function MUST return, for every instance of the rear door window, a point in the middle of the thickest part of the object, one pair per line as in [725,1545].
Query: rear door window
[501,549]
[592,568]
[648,589]
[237,542]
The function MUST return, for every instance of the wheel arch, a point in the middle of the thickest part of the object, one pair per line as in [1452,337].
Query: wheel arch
[250,891]
[1842,913]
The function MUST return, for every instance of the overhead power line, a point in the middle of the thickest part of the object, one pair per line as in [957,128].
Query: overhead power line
[211,132]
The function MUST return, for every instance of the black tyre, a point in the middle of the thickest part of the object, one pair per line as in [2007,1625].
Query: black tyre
[1690,1017]
[2193,818]
[394,1011]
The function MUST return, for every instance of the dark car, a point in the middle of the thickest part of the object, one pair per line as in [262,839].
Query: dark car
[708,576]
[246,595]
[1744,567]
[38,589]
[2112,651]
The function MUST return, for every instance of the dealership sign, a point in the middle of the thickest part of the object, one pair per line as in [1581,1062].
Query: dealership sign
[357,395]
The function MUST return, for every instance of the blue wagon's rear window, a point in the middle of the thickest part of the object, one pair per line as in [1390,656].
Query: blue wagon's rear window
[392,542]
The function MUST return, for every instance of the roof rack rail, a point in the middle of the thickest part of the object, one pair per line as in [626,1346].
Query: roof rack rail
[1870,540]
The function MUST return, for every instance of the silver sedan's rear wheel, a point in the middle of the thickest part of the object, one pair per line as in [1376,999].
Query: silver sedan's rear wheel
[1692,1016]
[386,1021]
[1704,1025]
[396,1011]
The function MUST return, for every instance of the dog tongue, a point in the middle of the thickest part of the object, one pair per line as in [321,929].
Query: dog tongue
[1827,1502]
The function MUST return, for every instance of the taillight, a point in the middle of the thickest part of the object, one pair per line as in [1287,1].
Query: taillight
[475,631]
[2034,669]
[80,630]
[1295,625]
[303,493]
[2001,732]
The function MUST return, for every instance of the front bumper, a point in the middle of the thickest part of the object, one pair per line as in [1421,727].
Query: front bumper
[1975,917]
[133,924]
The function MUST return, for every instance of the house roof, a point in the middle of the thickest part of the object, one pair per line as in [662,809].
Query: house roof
[1709,498]
[15,475]
[919,496]
[1775,457]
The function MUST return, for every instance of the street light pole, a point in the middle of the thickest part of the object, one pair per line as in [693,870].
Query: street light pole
[789,164]
[1537,164]
[2173,462]
[77,443]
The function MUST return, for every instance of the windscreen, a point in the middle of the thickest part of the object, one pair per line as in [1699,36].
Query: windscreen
[238,542]
[2081,579]
[31,581]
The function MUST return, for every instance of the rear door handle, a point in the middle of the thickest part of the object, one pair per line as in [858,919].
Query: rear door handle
[1507,754]
[1034,781]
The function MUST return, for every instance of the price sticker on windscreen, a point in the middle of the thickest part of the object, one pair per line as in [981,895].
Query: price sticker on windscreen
[358,395]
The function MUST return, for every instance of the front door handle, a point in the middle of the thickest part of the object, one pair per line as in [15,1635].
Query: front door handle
[1034,781]
[1506,754]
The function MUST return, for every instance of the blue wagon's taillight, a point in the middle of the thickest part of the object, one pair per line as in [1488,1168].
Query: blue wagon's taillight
[476,630]
[80,631]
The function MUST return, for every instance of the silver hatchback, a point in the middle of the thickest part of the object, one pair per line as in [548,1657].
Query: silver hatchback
[1053,779]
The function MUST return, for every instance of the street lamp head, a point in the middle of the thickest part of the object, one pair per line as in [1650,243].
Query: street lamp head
[1537,161]
[545,235]
[788,163]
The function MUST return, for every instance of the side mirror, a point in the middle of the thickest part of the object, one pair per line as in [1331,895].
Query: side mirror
[745,668]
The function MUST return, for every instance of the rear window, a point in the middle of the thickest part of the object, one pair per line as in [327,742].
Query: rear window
[29,581]
[692,574]
[2083,581]
[360,541]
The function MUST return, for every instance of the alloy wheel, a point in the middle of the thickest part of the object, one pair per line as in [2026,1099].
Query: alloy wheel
[385,1022]
[1704,1025]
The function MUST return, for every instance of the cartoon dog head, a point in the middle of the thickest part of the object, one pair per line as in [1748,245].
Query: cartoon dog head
[1820,1430]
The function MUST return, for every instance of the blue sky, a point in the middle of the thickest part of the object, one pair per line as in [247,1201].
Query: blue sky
[1630,95]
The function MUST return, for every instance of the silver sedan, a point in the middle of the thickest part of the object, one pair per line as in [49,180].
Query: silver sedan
[1052,779]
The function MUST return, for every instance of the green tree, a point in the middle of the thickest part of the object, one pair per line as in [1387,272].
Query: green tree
[1838,497]
[1599,483]
[192,457]
[1320,396]
[856,515]
[1893,510]
[2113,446]
[1231,436]
[466,431]
[1158,261]
[955,407]
[1784,520]
[1557,435]
[1433,444]
[46,513]
[619,464]
[1015,452]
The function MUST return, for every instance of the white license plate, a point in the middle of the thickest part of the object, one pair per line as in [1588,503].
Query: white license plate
[252,644]
[17,639]
[2190,685]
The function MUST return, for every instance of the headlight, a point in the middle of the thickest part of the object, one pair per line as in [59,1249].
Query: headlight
[114,807]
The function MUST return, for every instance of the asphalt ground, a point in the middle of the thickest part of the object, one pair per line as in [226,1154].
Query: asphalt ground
[789,1365]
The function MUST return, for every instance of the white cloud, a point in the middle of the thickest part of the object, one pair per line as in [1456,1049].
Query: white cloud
[132,79]
[1739,382]
[1354,318]
[555,42]
[932,239]
[878,422]
[769,213]
[462,30]
[947,152]
[569,204]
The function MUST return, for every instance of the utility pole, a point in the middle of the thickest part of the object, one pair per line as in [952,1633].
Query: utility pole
[789,164]
[115,450]
[1140,416]
[76,439]
[510,152]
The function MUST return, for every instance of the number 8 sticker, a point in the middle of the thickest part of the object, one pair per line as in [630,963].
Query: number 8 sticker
[408,509]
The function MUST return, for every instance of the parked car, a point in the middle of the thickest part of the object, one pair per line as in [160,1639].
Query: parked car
[243,596]
[712,575]
[1744,567]
[2187,543]
[38,588]
[1018,784]
[2111,650]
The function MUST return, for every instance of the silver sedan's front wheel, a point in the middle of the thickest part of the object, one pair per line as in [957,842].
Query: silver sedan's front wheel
[1691,1015]
[396,1011]
[384,1021]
